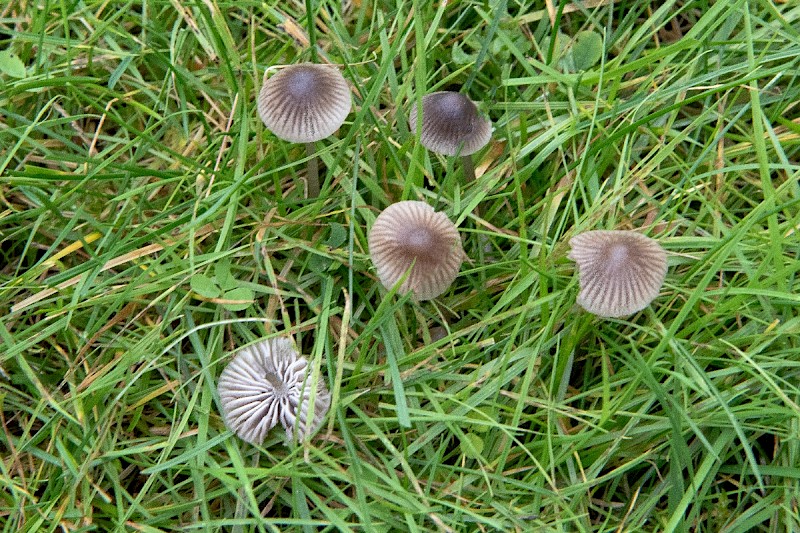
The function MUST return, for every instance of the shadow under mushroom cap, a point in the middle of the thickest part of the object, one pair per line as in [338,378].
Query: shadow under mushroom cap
[304,103]
[620,272]
[412,233]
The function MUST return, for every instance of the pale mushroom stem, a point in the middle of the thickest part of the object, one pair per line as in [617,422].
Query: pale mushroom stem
[469,175]
[276,381]
[313,171]
[469,167]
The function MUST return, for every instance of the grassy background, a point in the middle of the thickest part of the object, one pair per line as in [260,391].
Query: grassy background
[132,161]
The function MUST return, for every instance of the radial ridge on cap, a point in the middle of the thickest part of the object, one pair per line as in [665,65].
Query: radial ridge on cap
[411,235]
[620,272]
[304,103]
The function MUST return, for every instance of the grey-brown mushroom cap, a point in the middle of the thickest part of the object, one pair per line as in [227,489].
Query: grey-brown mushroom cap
[620,272]
[270,383]
[451,124]
[412,233]
[304,103]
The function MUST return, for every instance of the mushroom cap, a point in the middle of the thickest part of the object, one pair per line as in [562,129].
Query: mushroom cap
[620,272]
[451,124]
[304,103]
[412,233]
[268,383]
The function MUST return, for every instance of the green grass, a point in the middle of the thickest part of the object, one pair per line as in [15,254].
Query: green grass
[132,160]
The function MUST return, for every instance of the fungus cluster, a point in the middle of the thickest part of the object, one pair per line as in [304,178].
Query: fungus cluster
[267,384]
[413,248]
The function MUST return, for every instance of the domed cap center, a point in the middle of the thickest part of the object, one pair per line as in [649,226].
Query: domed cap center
[455,106]
[618,256]
[420,241]
[303,83]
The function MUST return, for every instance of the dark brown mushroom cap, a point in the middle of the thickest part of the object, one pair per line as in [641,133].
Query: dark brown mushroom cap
[620,272]
[451,124]
[412,233]
[304,103]
[270,383]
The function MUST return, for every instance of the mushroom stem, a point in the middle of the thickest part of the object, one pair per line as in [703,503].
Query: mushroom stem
[469,176]
[313,171]
[277,383]
[469,167]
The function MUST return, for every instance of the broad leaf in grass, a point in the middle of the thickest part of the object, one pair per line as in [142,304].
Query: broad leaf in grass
[223,276]
[237,299]
[472,446]
[460,57]
[205,286]
[587,49]
[11,64]
[338,235]
[319,263]
[481,417]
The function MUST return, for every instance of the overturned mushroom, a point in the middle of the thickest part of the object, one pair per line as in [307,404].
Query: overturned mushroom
[620,272]
[305,103]
[411,235]
[270,383]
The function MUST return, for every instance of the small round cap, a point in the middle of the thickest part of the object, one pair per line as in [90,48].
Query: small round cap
[451,124]
[620,272]
[268,383]
[412,233]
[304,103]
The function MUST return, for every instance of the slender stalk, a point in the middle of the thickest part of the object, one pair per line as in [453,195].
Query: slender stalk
[469,168]
[313,171]
[469,176]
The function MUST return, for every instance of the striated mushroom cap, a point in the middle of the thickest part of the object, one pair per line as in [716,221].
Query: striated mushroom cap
[620,272]
[270,383]
[451,124]
[412,233]
[304,103]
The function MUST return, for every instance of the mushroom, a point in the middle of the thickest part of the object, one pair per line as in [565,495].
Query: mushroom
[411,235]
[268,383]
[620,272]
[452,125]
[305,103]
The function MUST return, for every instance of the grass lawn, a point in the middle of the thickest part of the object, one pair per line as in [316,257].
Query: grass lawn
[150,225]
